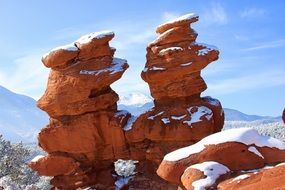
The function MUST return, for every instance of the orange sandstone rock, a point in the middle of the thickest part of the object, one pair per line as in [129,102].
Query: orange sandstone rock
[53,165]
[236,149]
[266,178]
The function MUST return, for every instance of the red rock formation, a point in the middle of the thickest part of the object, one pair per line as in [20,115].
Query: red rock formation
[180,115]
[236,149]
[266,178]
[85,133]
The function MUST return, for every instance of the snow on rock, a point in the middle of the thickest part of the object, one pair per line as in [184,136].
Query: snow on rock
[122,182]
[185,64]
[35,159]
[205,48]
[170,49]
[125,168]
[181,18]
[118,66]
[165,120]
[68,47]
[154,68]
[212,101]
[161,36]
[154,116]
[255,151]
[130,123]
[246,136]
[95,35]
[178,117]
[212,171]
[240,177]
[196,115]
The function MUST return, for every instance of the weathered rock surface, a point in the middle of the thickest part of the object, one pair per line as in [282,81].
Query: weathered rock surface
[180,115]
[236,149]
[88,133]
[85,134]
[266,178]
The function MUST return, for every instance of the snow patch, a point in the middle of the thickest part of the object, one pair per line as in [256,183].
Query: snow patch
[185,64]
[165,120]
[68,47]
[154,116]
[35,159]
[130,123]
[168,50]
[154,68]
[178,117]
[255,151]
[206,48]
[95,35]
[197,115]
[115,68]
[212,171]
[241,177]
[246,136]
[122,181]
[181,18]
[212,101]
[161,36]
[125,168]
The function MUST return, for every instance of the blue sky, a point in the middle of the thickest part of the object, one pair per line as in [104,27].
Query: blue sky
[249,76]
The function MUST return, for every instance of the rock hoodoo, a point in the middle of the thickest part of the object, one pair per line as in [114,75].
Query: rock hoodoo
[180,116]
[87,133]
[224,155]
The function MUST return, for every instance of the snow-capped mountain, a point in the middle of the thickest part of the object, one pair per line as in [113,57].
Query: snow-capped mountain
[20,119]
[137,103]
[235,115]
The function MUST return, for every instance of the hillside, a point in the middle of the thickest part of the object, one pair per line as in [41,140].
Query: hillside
[20,119]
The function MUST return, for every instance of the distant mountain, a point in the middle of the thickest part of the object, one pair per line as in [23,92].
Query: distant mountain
[137,103]
[235,115]
[20,119]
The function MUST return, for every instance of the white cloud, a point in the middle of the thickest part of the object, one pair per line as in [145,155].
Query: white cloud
[253,13]
[249,82]
[267,45]
[216,14]
[29,76]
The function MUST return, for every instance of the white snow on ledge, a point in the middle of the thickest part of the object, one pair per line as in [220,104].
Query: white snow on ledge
[68,47]
[212,171]
[168,50]
[246,136]
[95,35]
[240,177]
[115,68]
[35,159]
[255,151]
[196,116]
[181,18]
